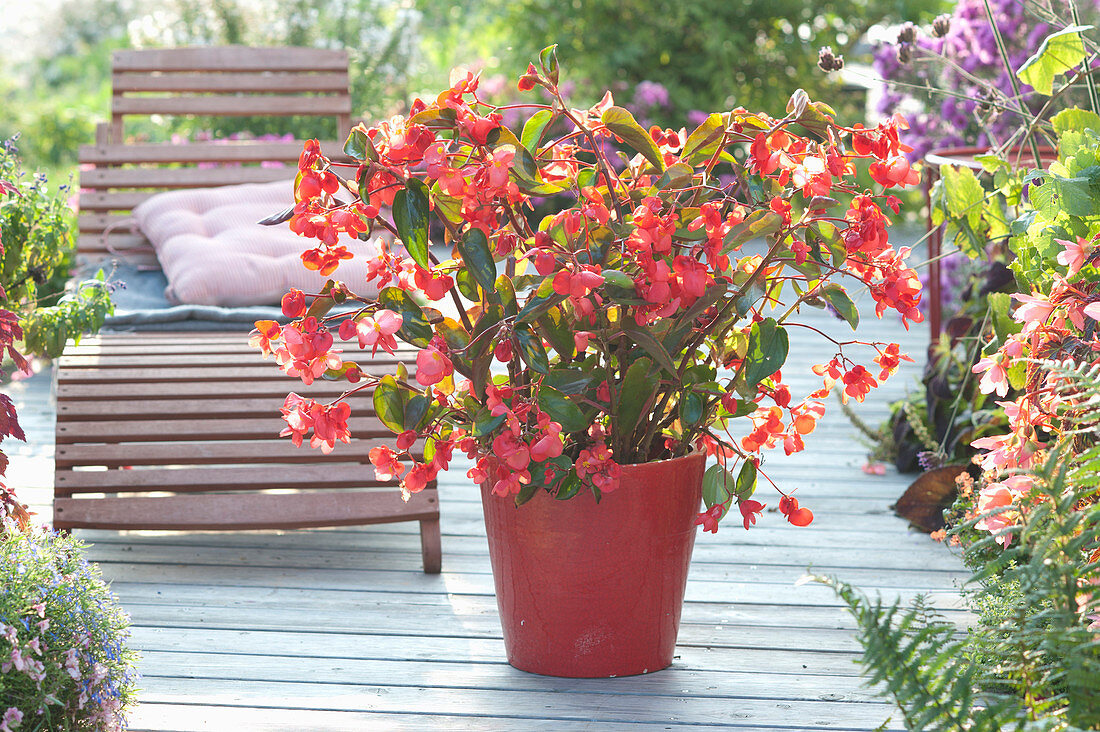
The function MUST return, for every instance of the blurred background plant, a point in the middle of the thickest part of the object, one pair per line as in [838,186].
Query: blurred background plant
[663,59]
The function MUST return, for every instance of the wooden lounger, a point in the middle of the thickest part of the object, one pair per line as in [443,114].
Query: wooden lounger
[179,431]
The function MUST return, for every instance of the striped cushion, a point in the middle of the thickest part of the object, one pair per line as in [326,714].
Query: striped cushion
[213,251]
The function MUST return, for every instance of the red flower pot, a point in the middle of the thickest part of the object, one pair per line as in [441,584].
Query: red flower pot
[595,590]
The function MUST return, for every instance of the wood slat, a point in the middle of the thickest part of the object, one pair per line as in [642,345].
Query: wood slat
[176,178]
[229,59]
[242,512]
[92,401]
[137,375]
[188,480]
[226,151]
[209,452]
[218,81]
[175,410]
[241,105]
[264,423]
[247,356]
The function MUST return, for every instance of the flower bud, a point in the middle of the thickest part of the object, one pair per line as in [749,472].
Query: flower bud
[905,53]
[941,25]
[907,34]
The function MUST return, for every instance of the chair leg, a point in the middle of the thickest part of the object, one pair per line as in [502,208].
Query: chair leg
[431,546]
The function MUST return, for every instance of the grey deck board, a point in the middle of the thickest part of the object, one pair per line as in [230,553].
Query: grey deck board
[338,629]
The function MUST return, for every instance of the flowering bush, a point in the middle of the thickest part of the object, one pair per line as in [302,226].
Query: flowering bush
[63,660]
[633,324]
[978,100]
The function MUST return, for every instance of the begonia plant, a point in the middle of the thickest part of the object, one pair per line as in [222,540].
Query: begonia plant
[649,315]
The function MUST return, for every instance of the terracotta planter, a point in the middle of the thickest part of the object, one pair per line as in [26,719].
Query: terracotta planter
[595,590]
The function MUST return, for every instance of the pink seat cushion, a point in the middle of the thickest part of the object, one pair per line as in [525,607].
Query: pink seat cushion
[213,251]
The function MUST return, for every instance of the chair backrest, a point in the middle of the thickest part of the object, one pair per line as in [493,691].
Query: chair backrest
[227,81]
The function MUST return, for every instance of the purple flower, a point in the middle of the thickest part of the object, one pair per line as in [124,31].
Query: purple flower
[650,95]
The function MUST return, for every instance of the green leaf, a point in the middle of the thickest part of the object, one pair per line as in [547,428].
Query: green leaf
[718,486]
[963,194]
[1059,53]
[570,486]
[359,146]
[478,259]
[760,222]
[838,298]
[767,352]
[467,285]
[691,408]
[1076,195]
[704,140]
[415,328]
[618,279]
[321,305]
[1075,119]
[677,175]
[507,294]
[541,300]
[453,334]
[526,493]
[623,125]
[636,389]
[410,215]
[532,351]
[650,345]
[389,404]
[548,59]
[534,128]
[562,410]
[567,381]
[485,423]
[558,332]
[746,480]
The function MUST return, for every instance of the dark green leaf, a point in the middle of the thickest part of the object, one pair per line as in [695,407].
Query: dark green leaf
[718,486]
[531,350]
[416,408]
[410,215]
[485,423]
[691,408]
[389,404]
[467,285]
[767,351]
[699,374]
[746,480]
[526,493]
[838,298]
[415,328]
[635,391]
[474,248]
[359,146]
[567,381]
[651,345]
[618,279]
[569,486]
[562,410]
[622,124]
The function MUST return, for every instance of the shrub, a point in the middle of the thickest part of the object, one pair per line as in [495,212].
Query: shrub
[64,664]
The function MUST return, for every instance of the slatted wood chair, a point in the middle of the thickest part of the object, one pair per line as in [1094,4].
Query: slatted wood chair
[178,431]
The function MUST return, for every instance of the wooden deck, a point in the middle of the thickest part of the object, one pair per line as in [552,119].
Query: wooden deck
[340,629]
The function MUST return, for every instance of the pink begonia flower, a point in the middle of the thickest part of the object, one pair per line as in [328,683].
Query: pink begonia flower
[997,496]
[995,377]
[432,367]
[1034,309]
[1074,254]
[377,331]
[1092,310]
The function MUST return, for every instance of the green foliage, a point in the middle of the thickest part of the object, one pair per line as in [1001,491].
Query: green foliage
[58,617]
[37,247]
[708,54]
[1033,661]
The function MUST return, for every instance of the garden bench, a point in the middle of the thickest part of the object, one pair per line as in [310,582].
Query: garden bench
[178,430]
